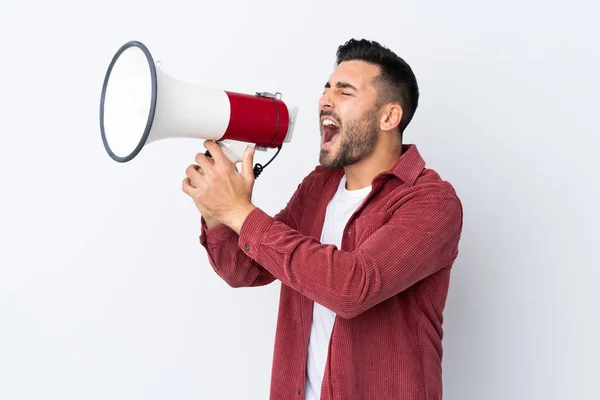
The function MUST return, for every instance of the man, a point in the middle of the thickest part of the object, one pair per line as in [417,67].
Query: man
[363,249]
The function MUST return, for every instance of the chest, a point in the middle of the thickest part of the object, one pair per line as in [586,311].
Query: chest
[348,221]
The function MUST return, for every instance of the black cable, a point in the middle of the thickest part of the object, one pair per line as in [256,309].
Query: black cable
[258,168]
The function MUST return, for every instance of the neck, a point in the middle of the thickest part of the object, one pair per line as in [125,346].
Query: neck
[362,173]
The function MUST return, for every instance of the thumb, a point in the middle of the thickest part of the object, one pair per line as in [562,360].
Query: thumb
[247,159]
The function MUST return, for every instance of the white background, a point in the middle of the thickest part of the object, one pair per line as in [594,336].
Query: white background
[105,292]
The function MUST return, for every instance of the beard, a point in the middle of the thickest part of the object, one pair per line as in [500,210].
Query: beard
[358,142]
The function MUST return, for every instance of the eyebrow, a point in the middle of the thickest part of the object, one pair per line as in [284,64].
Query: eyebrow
[342,85]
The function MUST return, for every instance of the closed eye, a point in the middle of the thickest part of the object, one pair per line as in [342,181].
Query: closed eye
[346,88]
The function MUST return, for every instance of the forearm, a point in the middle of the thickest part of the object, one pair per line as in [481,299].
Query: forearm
[304,264]
[227,260]
[224,251]
[397,255]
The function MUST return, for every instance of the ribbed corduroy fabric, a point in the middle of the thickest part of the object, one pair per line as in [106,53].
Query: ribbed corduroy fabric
[387,284]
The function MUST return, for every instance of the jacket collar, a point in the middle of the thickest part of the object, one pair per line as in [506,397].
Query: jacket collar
[409,166]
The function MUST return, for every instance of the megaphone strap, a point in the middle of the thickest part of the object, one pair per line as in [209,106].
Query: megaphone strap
[272,97]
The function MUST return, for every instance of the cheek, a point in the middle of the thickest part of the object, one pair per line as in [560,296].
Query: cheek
[352,110]
[347,114]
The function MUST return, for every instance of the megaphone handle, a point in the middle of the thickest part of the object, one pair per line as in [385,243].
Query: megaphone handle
[234,150]
[258,168]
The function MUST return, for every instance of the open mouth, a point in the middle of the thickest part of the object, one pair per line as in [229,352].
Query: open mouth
[331,131]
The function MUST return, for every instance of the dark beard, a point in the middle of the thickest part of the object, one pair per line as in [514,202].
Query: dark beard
[358,142]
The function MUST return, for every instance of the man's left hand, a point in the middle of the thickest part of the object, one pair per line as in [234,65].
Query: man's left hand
[218,189]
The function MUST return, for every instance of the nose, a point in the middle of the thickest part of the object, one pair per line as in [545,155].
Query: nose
[326,101]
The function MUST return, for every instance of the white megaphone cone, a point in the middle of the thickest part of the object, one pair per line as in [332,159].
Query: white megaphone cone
[141,104]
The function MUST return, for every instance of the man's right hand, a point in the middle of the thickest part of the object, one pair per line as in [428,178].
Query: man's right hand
[210,221]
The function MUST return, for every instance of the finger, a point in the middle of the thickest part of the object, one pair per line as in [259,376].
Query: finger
[216,152]
[197,168]
[187,187]
[209,156]
[195,174]
[206,164]
[247,160]
[210,160]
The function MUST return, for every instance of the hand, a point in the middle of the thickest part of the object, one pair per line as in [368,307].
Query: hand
[219,191]
[210,221]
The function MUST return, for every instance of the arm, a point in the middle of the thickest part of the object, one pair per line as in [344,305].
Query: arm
[419,239]
[229,261]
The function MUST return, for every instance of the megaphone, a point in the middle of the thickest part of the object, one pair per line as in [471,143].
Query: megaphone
[141,104]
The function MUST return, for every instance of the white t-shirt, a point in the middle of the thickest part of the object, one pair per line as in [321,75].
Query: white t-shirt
[339,210]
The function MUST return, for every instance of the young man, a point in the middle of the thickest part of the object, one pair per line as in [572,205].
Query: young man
[363,249]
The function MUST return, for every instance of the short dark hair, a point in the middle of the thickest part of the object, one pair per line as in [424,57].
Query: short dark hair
[395,83]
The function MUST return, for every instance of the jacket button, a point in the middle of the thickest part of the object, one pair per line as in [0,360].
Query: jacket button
[298,391]
[247,247]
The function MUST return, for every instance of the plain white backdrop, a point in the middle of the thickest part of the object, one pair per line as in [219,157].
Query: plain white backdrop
[105,292]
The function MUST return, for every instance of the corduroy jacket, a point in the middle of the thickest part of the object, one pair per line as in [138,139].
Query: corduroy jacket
[387,284]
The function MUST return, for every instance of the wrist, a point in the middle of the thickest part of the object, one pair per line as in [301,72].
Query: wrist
[211,222]
[236,218]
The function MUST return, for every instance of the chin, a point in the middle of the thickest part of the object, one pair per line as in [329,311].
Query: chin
[327,160]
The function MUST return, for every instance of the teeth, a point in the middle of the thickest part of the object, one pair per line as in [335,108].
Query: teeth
[328,122]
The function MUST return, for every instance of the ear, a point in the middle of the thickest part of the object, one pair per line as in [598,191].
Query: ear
[390,117]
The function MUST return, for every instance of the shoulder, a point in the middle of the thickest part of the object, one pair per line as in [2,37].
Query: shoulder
[430,181]
[438,196]
[429,192]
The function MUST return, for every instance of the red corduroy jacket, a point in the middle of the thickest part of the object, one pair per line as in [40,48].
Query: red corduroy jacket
[387,284]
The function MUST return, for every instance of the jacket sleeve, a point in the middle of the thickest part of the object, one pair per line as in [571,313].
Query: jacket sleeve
[418,239]
[230,262]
